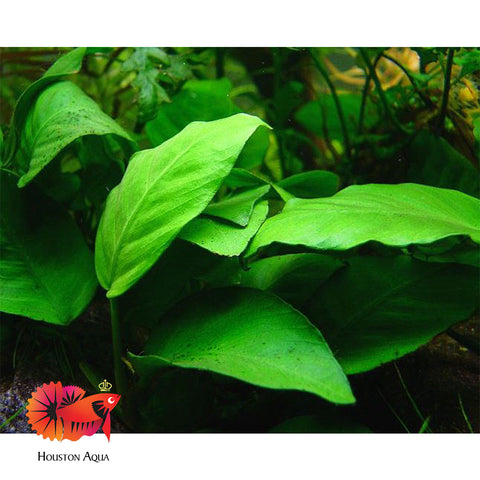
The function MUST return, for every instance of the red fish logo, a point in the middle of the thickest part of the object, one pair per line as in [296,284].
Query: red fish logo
[60,412]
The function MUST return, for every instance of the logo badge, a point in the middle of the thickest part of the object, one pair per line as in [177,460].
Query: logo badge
[58,412]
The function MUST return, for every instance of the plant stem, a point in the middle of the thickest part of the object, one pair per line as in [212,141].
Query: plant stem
[415,407]
[464,414]
[424,98]
[278,128]
[381,93]
[365,95]
[321,68]
[446,91]
[120,377]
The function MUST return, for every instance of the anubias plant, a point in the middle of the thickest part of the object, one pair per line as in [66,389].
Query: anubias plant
[209,264]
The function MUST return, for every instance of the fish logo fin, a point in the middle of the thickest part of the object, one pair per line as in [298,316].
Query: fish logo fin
[71,394]
[74,430]
[42,409]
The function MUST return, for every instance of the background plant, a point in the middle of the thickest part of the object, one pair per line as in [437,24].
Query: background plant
[280,217]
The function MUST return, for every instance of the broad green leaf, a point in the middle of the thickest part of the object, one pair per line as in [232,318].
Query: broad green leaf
[433,161]
[199,100]
[224,238]
[293,277]
[239,207]
[250,335]
[380,308]
[67,64]
[313,184]
[395,215]
[61,114]
[46,269]
[162,190]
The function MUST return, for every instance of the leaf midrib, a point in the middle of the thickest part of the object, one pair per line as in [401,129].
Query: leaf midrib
[138,205]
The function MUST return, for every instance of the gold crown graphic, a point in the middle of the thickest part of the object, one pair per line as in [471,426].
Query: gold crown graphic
[105,386]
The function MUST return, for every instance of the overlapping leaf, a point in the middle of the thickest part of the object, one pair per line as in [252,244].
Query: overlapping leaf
[46,269]
[66,65]
[313,184]
[395,215]
[162,190]
[199,100]
[61,114]
[379,309]
[293,277]
[250,335]
[224,238]
[433,161]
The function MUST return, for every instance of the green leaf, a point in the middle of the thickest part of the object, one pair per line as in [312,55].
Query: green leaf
[313,184]
[199,100]
[239,178]
[293,277]
[237,208]
[224,238]
[433,161]
[459,252]
[151,95]
[379,309]
[61,114]
[469,61]
[255,150]
[46,269]
[250,335]
[162,190]
[67,64]
[395,215]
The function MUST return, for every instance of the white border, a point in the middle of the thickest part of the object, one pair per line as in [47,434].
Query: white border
[241,23]
[249,457]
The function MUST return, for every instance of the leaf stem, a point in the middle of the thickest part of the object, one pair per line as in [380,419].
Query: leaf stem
[424,98]
[412,401]
[381,93]
[117,344]
[464,414]
[365,95]
[323,71]
[446,91]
